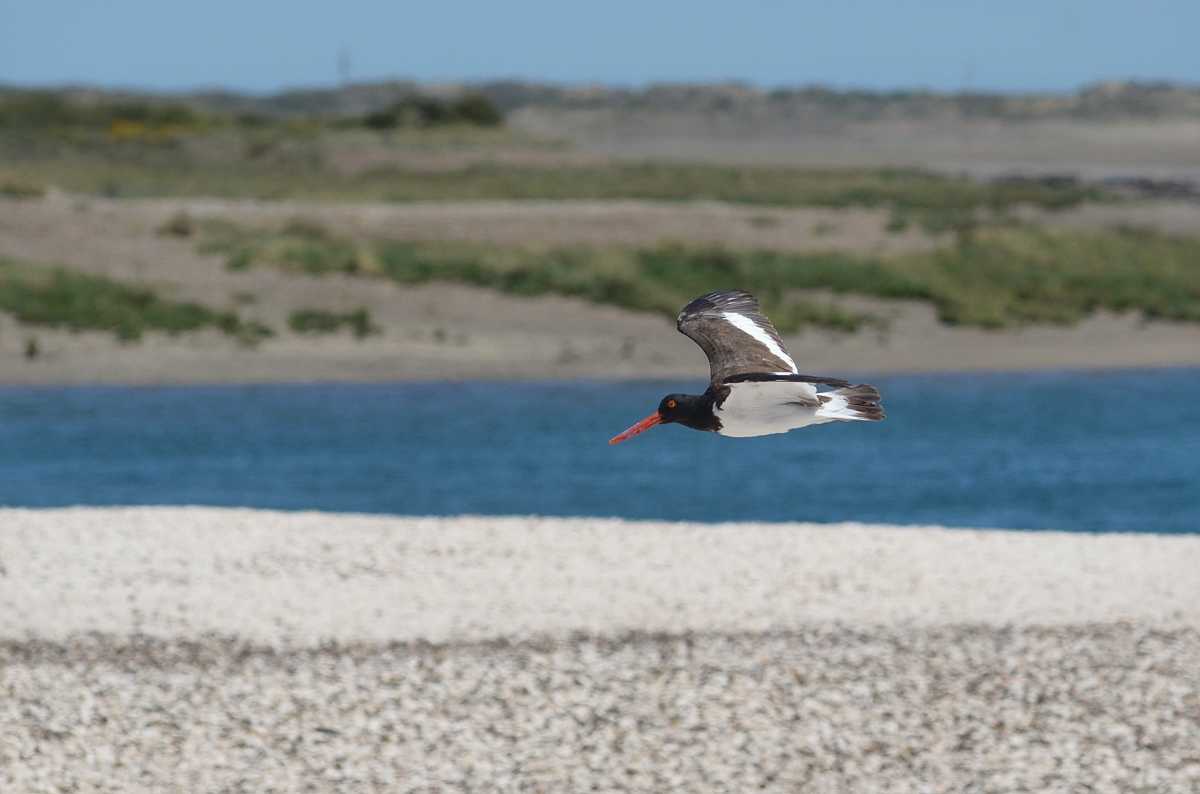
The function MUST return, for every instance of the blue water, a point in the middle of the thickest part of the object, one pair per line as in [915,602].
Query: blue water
[1075,451]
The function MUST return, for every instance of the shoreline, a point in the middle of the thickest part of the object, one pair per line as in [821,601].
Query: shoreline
[499,379]
[597,351]
[19,382]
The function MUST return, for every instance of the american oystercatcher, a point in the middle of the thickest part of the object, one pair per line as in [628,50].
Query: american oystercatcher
[756,389]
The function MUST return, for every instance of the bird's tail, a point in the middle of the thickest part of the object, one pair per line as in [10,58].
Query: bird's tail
[854,403]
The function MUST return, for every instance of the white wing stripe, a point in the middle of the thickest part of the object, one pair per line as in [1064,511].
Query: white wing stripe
[748,326]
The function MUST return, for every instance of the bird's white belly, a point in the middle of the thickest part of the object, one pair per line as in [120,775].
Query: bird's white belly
[766,408]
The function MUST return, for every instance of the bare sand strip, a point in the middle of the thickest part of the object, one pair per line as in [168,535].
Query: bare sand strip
[234,650]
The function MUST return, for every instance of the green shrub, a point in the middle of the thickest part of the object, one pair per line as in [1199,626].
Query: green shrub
[307,229]
[300,245]
[35,109]
[19,189]
[990,277]
[320,321]
[270,164]
[178,225]
[472,109]
[60,298]
[382,119]
[49,110]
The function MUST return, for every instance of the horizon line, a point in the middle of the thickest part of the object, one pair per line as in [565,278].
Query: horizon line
[615,86]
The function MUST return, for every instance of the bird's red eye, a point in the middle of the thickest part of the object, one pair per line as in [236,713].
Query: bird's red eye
[671,404]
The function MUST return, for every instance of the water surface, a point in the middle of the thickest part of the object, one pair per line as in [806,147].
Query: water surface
[1096,451]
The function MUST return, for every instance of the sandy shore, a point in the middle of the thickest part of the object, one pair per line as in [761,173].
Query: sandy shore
[237,650]
[450,331]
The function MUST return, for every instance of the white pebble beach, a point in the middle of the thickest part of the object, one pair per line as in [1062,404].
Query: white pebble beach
[211,650]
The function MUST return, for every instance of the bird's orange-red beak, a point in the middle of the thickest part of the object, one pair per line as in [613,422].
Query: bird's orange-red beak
[641,427]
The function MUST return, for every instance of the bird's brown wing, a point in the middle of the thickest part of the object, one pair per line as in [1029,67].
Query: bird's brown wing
[736,336]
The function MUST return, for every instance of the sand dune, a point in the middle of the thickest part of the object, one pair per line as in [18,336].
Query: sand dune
[145,649]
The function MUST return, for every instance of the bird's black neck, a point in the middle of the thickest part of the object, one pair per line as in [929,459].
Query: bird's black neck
[696,411]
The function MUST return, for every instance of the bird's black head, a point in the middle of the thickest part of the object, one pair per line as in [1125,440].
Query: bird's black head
[691,410]
[674,408]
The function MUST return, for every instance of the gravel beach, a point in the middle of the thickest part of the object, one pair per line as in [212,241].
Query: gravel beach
[197,649]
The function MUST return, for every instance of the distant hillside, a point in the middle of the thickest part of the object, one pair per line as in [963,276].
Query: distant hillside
[1101,102]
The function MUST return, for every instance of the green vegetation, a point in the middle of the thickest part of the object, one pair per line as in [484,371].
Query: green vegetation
[300,247]
[996,277]
[142,147]
[296,172]
[12,188]
[178,225]
[147,118]
[425,111]
[319,321]
[992,278]
[49,110]
[992,271]
[657,279]
[60,298]
[914,191]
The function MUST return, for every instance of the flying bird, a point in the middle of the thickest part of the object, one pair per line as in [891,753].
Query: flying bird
[756,388]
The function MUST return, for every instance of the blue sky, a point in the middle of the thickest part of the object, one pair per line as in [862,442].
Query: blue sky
[265,45]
